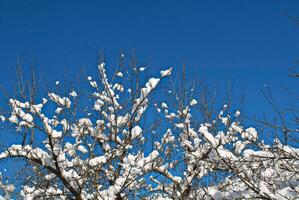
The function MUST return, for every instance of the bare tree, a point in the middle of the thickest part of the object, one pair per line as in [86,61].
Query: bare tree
[117,142]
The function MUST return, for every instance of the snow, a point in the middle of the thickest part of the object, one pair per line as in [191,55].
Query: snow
[269,172]
[153,155]
[101,66]
[193,102]
[120,74]
[142,69]
[166,72]
[226,154]
[73,93]
[58,110]
[63,101]
[208,136]
[168,137]
[65,125]
[45,100]
[164,105]
[13,119]
[85,122]
[140,104]
[98,104]
[214,193]
[264,189]
[56,134]
[151,84]
[225,120]
[82,149]
[36,109]
[136,131]
[239,146]
[250,134]
[236,128]
[180,125]
[97,161]
[286,193]
[118,86]
[93,84]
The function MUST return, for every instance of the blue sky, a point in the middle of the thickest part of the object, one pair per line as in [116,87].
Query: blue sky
[249,42]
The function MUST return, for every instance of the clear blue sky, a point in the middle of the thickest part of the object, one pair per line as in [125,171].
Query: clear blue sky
[248,42]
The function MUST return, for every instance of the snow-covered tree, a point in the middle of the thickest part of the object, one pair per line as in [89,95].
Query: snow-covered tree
[104,146]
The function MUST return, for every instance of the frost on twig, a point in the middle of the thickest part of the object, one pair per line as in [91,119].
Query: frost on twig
[106,152]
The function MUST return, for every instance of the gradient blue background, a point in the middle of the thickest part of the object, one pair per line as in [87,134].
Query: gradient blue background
[250,43]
